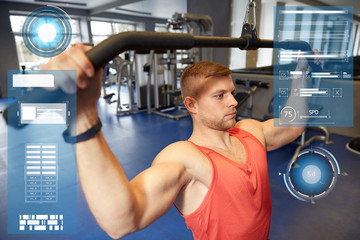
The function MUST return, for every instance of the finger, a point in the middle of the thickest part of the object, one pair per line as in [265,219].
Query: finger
[72,60]
[317,60]
[83,47]
[66,61]
[65,80]
[79,57]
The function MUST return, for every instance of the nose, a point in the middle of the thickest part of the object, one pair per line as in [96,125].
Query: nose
[232,101]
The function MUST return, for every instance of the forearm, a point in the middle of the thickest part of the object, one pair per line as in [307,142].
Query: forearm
[296,105]
[288,126]
[105,186]
[277,137]
[300,102]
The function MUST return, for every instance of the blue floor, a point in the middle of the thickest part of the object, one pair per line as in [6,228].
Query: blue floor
[136,139]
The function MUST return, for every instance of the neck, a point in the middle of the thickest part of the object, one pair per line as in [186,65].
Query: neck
[205,136]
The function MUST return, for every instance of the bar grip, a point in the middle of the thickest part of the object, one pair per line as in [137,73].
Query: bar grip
[300,45]
[252,83]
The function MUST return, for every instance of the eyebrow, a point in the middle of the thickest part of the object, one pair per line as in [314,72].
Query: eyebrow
[232,90]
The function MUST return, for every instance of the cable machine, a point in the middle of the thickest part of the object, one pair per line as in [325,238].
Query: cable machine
[165,67]
[110,48]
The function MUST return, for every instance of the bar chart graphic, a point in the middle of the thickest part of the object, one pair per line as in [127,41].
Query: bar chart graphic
[41,168]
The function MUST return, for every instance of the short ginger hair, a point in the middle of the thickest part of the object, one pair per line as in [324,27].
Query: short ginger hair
[193,77]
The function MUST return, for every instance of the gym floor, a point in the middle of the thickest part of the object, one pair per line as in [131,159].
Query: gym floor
[136,139]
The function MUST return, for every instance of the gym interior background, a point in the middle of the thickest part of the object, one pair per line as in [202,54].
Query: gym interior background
[132,121]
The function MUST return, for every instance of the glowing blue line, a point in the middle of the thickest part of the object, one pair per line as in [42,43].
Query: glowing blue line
[337,165]
[292,193]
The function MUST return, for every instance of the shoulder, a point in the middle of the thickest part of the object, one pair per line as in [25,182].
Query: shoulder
[189,158]
[254,127]
[181,152]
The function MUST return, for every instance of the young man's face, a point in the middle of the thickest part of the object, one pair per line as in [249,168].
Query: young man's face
[216,103]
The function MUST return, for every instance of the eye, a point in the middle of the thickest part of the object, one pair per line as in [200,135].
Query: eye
[219,96]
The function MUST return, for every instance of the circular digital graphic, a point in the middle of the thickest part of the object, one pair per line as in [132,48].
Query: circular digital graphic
[288,114]
[313,175]
[47,31]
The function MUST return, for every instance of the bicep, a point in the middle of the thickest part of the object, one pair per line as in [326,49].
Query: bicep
[276,137]
[155,190]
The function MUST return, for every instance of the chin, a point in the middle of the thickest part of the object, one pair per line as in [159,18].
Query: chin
[227,126]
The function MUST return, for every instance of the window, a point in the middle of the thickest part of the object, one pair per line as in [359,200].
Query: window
[160,27]
[103,29]
[25,56]
[237,57]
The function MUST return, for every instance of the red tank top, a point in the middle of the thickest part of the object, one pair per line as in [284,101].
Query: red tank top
[238,203]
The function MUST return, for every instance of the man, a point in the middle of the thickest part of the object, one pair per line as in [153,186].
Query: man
[217,179]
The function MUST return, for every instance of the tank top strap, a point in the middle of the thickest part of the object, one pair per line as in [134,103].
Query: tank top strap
[242,134]
[204,150]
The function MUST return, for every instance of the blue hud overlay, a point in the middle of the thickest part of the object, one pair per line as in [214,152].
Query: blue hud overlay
[47,31]
[41,166]
[314,174]
[302,34]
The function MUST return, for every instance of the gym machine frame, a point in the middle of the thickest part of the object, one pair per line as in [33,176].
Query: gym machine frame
[195,24]
[110,48]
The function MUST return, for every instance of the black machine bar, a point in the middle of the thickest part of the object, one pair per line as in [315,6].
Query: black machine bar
[252,83]
[116,44]
[293,44]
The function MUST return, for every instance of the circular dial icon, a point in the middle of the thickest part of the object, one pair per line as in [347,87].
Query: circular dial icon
[313,175]
[287,114]
[47,31]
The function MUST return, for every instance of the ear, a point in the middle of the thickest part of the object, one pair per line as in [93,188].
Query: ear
[190,104]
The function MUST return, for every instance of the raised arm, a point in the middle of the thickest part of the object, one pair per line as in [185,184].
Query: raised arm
[119,206]
[277,137]
[272,135]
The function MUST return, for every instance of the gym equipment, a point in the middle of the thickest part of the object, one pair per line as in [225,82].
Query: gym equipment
[165,67]
[116,44]
[204,23]
[195,24]
[169,93]
[110,48]
[241,97]
[304,144]
[354,145]
[107,82]
[124,75]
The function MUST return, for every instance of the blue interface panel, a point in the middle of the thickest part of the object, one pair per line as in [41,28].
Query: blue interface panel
[322,94]
[41,166]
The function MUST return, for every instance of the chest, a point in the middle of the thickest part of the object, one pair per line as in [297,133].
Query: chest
[232,170]
[203,168]
[237,153]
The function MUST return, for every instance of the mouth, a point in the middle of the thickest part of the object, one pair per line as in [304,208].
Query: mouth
[231,115]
